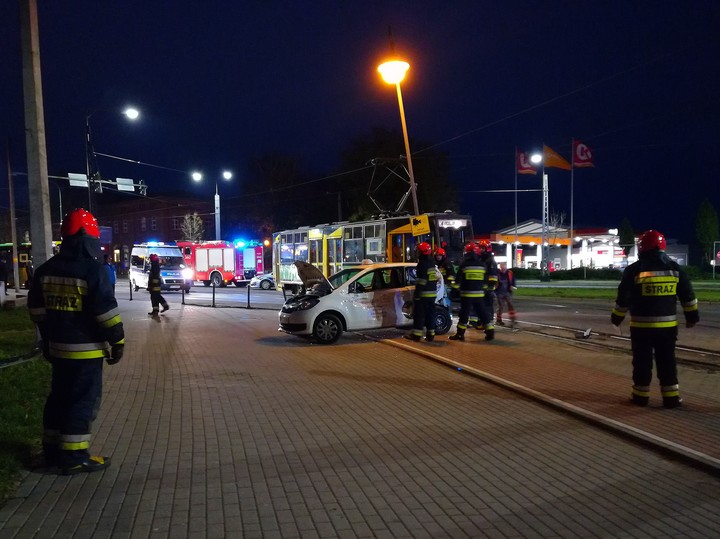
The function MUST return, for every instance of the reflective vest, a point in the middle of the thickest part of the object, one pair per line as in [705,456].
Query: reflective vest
[471,277]
[72,302]
[649,289]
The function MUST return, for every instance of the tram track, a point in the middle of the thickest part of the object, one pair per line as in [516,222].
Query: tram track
[690,356]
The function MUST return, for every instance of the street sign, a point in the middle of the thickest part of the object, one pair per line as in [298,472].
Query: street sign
[78,180]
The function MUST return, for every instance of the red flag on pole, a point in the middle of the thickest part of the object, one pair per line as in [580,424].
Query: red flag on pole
[582,155]
[552,159]
[524,166]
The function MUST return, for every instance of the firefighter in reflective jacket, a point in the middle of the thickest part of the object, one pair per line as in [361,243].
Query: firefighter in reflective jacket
[491,273]
[424,296]
[649,290]
[72,302]
[471,280]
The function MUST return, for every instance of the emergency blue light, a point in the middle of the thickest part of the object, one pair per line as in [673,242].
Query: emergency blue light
[239,243]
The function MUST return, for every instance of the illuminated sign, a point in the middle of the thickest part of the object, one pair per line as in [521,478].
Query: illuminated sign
[451,223]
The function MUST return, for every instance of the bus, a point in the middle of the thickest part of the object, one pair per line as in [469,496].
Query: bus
[334,246]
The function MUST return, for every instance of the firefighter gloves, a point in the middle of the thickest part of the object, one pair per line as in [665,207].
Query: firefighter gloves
[116,354]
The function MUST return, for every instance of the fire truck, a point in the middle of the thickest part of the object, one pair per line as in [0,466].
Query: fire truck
[219,263]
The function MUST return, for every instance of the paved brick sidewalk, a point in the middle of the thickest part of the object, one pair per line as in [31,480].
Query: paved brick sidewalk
[219,426]
[596,386]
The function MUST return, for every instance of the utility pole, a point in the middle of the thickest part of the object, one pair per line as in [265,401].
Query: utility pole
[40,219]
[13,231]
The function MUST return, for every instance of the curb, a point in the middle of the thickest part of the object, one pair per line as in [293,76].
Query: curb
[691,456]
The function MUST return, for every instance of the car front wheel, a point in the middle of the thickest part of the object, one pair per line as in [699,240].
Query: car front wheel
[265,285]
[328,328]
[443,320]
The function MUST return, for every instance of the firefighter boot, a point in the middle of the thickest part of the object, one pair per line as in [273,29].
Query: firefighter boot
[154,312]
[489,334]
[165,308]
[430,336]
[640,395]
[671,396]
[459,335]
[412,337]
[92,464]
[499,321]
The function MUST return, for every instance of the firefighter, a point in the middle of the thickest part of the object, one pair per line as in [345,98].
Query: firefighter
[649,290]
[445,266]
[471,282]
[491,275]
[72,303]
[424,295]
[154,287]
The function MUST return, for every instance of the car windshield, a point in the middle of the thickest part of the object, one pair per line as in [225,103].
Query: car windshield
[172,262]
[344,276]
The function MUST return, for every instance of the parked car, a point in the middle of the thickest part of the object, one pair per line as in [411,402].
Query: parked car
[265,281]
[360,297]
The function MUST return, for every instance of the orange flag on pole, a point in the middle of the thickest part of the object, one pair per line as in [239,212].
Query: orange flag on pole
[552,159]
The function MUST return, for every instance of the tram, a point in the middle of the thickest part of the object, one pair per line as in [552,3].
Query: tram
[333,246]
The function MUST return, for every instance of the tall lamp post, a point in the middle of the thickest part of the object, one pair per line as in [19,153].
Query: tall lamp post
[537,159]
[91,168]
[227,176]
[393,72]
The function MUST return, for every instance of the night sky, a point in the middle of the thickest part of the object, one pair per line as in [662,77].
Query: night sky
[221,82]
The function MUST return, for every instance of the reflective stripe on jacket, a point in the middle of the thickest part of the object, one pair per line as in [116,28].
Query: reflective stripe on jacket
[650,288]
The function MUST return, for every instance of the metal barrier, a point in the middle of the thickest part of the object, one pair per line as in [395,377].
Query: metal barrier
[230,298]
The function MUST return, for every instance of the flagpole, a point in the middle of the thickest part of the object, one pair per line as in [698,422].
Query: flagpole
[516,165]
[572,199]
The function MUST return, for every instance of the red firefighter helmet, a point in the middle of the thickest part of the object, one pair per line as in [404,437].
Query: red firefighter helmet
[154,258]
[440,252]
[485,246]
[424,248]
[651,239]
[471,247]
[77,220]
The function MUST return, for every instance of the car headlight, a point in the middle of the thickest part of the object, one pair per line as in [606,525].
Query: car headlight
[187,273]
[300,305]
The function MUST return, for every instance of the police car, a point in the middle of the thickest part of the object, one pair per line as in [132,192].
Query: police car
[356,298]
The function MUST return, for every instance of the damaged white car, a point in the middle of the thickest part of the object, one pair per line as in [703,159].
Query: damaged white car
[361,297]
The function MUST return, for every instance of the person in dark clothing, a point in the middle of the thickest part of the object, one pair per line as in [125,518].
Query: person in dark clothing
[649,289]
[154,287]
[471,281]
[73,306]
[488,259]
[110,268]
[424,295]
[503,293]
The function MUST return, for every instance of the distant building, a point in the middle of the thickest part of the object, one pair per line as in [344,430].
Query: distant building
[144,219]
[591,247]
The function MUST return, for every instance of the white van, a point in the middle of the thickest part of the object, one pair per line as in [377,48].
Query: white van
[174,274]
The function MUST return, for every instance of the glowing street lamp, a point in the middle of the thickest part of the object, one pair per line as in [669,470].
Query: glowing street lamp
[227,176]
[393,72]
[91,171]
[537,159]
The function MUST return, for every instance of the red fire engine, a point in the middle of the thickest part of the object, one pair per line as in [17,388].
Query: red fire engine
[220,263]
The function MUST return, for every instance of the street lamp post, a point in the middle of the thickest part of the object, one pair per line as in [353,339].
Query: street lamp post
[227,176]
[537,159]
[91,168]
[393,72]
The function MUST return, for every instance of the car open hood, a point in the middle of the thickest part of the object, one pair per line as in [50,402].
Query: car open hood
[311,276]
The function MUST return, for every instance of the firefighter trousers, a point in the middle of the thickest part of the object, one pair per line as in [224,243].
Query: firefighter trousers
[70,409]
[424,316]
[479,316]
[661,342]
[156,300]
